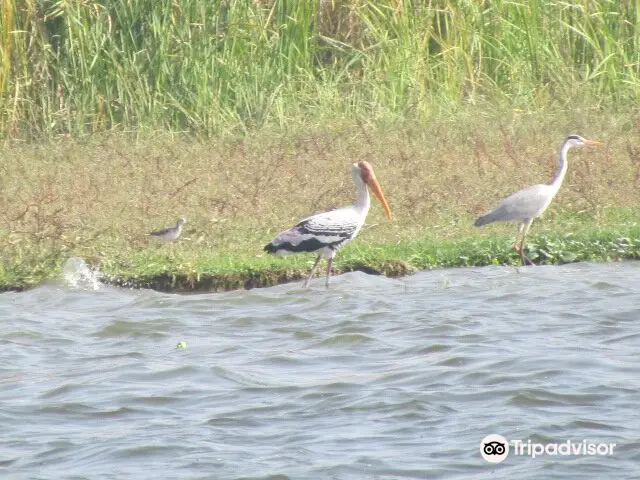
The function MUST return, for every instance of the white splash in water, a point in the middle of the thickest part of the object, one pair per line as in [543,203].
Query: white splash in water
[77,274]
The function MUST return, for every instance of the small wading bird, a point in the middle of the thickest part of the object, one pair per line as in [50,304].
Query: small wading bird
[326,232]
[169,234]
[530,202]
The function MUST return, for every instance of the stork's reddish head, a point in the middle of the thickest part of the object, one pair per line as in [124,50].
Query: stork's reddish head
[369,178]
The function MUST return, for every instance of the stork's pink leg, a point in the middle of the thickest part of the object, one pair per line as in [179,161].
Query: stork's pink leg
[308,281]
[329,262]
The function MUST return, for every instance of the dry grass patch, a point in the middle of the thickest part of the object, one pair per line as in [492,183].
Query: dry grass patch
[98,197]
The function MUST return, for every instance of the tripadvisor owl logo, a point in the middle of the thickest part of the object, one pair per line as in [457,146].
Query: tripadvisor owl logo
[494,448]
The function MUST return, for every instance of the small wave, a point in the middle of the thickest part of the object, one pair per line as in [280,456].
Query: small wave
[77,274]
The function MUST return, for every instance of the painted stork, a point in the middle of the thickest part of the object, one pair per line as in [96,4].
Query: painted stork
[325,233]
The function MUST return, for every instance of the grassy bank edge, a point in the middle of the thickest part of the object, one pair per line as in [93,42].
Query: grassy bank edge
[392,260]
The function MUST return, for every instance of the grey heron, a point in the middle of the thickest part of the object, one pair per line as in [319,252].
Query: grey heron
[325,233]
[530,202]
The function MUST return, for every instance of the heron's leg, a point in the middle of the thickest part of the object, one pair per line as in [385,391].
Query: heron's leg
[313,269]
[329,262]
[523,257]
[515,243]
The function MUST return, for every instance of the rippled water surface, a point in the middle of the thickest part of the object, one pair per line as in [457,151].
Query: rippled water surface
[375,378]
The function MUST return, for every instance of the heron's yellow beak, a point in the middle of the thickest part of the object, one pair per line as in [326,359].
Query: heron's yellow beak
[593,143]
[372,183]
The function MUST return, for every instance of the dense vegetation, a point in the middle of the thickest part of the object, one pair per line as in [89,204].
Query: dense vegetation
[231,66]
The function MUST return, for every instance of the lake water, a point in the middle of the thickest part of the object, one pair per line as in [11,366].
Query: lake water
[375,378]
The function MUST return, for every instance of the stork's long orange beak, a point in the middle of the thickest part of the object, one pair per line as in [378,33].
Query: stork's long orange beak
[593,143]
[372,183]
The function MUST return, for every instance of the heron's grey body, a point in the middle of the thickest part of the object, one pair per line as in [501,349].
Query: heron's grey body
[528,203]
[521,206]
[169,234]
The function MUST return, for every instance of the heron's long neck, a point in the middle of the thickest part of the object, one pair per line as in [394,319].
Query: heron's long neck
[363,202]
[562,170]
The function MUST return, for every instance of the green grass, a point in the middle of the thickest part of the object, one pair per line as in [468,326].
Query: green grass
[225,68]
[119,116]
[97,198]
[174,271]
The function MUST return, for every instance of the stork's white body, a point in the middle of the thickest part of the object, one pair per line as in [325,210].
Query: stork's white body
[325,233]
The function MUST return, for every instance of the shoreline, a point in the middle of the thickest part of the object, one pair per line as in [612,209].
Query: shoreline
[394,261]
[248,280]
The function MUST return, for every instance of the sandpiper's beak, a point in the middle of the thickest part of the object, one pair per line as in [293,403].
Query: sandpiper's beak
[593,143]
[373,184]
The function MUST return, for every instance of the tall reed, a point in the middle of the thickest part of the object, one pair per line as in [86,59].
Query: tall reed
[228,66]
